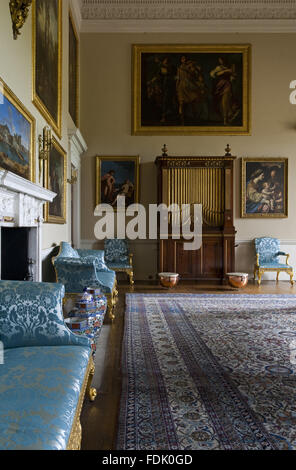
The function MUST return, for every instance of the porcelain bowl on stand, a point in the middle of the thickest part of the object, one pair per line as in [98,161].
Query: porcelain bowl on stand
[238,280]
[168,280]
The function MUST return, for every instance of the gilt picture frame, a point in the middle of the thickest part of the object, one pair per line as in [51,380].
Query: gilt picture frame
[73,71]
[117,176]
[191,89]
[47,61]
[17,135]
[56,181]
[264,187]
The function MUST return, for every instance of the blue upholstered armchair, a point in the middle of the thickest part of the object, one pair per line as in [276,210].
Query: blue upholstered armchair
[268,258]
[118,258]
[77,269]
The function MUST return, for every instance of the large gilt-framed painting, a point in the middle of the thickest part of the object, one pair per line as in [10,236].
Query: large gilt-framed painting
[264,187]
[56,180]
[117,176]
[73,71]
[17,135]
[191,89]
[47,61]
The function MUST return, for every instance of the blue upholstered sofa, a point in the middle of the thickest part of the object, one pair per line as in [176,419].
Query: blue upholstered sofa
[77,269]
[46,371]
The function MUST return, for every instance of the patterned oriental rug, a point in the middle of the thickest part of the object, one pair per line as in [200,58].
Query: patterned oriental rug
[208,372]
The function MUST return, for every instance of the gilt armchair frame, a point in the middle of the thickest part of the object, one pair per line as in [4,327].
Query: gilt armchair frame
[128,271]
[259,271]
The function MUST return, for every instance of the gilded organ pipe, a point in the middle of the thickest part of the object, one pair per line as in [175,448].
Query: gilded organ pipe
[198,186]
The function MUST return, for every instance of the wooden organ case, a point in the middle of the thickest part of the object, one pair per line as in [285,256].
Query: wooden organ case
[207,181]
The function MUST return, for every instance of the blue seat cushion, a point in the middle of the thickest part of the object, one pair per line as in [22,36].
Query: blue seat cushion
[39,390]
[107,279]
[274,266]
[119,265]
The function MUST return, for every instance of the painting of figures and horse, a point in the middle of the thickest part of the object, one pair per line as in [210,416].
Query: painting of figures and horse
[191,89]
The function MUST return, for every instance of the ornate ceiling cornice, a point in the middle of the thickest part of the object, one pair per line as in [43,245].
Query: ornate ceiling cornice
[188,10]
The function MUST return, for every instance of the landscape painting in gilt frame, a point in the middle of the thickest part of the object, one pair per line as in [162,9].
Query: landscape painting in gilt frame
[47,61]
[17,135]
[264,187]
[56,180]
[191,89]
[73,71]
[117,176]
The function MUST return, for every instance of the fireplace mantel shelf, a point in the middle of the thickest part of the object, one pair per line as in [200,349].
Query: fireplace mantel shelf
[16,183]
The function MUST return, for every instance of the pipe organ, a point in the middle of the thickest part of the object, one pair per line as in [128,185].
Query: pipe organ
[199,180]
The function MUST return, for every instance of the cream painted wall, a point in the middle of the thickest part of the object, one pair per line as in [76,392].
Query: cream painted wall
[16,71]
[106,122]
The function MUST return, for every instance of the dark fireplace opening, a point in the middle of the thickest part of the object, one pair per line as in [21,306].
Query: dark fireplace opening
[15,260]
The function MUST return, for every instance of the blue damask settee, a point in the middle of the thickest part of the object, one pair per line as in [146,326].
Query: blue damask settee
[46,372]
[267,258]
[77,269]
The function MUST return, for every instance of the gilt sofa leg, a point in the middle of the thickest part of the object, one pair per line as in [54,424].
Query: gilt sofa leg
[115,291]
[130,274]
[111,303]
[92,392]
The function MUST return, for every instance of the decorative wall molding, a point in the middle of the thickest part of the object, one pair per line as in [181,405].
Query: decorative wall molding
[188,26]
[188,9]
[90,244]
[187,16]
[76,9]
[77,147]
[251,241]
[245,256]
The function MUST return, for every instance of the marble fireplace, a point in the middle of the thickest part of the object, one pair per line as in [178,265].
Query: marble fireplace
[21,220]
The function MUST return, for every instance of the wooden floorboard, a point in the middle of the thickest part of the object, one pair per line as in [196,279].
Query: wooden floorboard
[99,419]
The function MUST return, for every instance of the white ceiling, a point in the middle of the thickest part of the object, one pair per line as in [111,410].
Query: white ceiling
[187,15]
